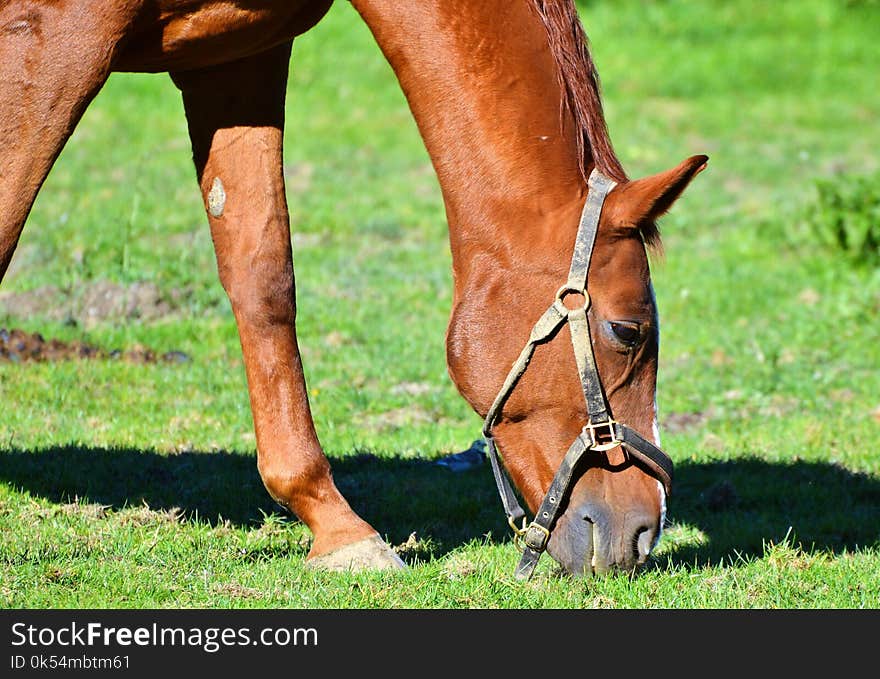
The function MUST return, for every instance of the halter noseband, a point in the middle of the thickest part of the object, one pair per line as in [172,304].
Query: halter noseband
[601,433]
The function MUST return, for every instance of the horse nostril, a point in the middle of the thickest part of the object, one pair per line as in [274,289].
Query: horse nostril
[645,538]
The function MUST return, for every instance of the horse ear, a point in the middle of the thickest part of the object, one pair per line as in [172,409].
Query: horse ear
[644,200]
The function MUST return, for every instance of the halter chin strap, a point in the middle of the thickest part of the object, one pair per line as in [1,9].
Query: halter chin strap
[601,433]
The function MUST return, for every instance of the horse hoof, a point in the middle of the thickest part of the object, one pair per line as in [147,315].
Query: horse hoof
[370,554]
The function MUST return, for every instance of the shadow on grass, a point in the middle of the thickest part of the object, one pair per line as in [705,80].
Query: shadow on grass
[740,505]
[398,497]
[745,504]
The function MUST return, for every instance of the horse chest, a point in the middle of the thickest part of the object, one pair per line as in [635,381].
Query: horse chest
[186,34]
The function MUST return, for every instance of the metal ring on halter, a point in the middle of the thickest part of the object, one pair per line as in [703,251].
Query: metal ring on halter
[518,532]
[569,288]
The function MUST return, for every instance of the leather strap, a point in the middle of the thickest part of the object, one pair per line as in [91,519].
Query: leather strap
[512,508]
[647,453]
[546,327]
[537,535]
[594,396]
[599,187]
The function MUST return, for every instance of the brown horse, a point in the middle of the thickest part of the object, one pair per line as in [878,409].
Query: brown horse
[505,96]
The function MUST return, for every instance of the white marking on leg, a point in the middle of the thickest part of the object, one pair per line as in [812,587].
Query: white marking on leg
[216,198]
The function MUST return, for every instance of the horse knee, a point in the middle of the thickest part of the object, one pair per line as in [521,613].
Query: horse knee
[262,293]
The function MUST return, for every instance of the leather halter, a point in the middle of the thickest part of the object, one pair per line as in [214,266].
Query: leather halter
[602,432]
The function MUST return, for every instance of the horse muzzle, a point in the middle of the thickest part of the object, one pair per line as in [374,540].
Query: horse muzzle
[593,539]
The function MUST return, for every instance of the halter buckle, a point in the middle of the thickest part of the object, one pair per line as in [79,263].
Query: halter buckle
[603,436]
[536,537]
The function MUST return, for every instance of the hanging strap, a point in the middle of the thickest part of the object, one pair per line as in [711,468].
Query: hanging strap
[545,328]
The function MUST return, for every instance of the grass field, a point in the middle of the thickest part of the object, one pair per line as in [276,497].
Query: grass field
[127,485]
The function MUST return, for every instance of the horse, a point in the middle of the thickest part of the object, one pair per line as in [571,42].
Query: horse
[505,96]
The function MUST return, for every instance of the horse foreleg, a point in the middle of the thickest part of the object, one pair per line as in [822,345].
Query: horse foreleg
[235,114]
[54,57]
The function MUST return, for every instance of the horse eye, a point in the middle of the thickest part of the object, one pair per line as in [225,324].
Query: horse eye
[628,333]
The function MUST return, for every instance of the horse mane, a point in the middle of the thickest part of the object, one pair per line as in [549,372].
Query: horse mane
[579,81]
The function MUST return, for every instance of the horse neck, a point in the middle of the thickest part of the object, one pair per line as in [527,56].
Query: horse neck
[483,87]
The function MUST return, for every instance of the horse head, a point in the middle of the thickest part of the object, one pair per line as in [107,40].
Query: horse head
[603,497]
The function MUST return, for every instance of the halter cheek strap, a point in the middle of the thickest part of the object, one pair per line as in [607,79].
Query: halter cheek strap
[601,433]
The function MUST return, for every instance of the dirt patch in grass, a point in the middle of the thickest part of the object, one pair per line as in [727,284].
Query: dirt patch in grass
[145,516]
[414,549]
[93,303]
[18,346]
[397,419]
[90,510]
[458,566]
[236,591]
[679,423]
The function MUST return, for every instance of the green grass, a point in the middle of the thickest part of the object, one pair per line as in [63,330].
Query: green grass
[136,486]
